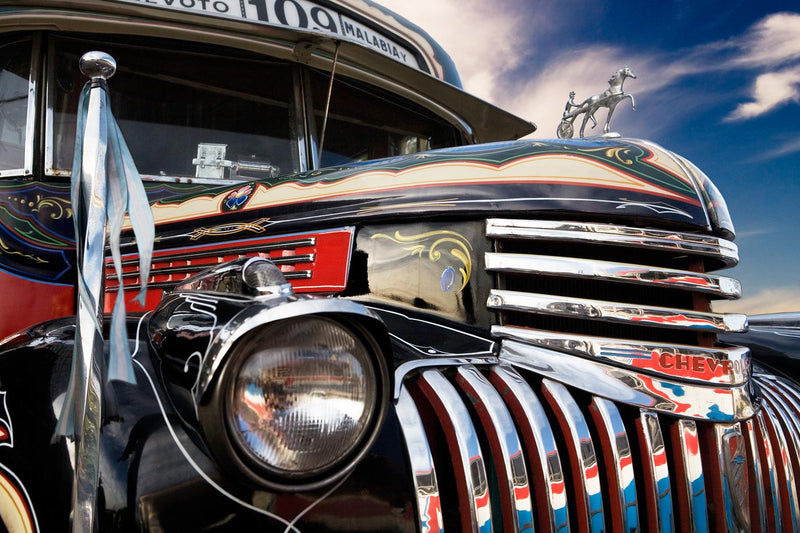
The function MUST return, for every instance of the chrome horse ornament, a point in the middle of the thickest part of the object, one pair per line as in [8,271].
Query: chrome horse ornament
[608,99]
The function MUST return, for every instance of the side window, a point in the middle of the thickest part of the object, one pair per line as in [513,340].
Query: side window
[15,72]
[184,114]
[370,124]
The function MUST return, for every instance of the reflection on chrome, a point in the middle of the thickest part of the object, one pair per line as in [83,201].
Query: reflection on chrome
[787,449]
[723,365]
[505,446]
[618,235]
[658,496]
[759,510]
[581,454]
[690,465]
[619,384]
[527,302]
[465,451]
[622,489]
[429,505]
[732,457]
[768,459]
[714,286]
[543,457]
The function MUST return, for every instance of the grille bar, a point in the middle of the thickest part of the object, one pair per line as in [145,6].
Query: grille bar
[505,447]
[714,286]
[758,502]
[616,449]
[593,464]
[769,480]
[657,493]
[615,312]
[581,454]
[542,453]
[650,239]
[464,449]
[429,508]
[690,493]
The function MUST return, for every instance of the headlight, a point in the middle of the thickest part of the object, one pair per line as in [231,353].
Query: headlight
[301,399]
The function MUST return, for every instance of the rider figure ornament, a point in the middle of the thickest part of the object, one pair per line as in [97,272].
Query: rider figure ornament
[608,99]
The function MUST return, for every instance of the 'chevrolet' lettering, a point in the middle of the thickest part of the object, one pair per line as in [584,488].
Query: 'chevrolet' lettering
[700,364]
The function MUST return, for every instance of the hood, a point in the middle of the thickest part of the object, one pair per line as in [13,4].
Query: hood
[596,178]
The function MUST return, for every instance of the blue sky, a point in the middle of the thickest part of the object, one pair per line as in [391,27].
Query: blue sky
[718,82]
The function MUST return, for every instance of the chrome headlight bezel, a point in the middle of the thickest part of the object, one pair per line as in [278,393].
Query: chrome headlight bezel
[219,427]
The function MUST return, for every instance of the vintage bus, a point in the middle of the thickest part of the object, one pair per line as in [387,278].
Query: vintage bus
[372,304]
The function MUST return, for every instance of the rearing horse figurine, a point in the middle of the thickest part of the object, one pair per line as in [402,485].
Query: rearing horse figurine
[608,99]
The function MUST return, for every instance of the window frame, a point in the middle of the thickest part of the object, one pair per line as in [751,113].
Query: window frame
[31,112]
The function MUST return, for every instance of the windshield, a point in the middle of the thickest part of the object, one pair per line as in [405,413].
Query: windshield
[365,123]
[176,107]
[190,114]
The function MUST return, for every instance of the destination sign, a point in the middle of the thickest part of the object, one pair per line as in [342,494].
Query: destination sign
[298,14]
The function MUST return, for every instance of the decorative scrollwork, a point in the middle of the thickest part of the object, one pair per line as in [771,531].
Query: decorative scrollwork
[257,226]
[430,243]
[6,250]
[59,207]
[620,153]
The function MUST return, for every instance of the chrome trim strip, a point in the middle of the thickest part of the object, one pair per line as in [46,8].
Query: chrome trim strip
[632,388]
[615,312]
[429,508]
[691,492]
[31,122]
[722,365]
[622,488]
[725,251]
[786,477]
[529,264]
[505,446]
[543,457]
[217,252]
[162,271]
[657,491]
[295,274]
[465,451]
[582,456]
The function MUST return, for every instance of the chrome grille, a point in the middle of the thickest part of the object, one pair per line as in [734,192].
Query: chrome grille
[619,408]
[557,276]
[500,448]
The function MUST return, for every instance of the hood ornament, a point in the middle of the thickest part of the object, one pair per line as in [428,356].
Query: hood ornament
[608,99]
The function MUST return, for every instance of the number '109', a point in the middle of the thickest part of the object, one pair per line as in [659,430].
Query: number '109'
[284,9]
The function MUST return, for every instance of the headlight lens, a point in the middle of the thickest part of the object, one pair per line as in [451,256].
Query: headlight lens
[303,396]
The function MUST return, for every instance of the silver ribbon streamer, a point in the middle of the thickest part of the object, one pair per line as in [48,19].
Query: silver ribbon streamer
[105,184]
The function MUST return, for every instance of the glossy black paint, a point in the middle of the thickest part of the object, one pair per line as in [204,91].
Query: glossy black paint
[155,470]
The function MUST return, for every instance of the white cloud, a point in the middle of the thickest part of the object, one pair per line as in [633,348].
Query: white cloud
[488,42]
[483,41]
[772,41]
[770,90]
[792,146]
[772,300]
